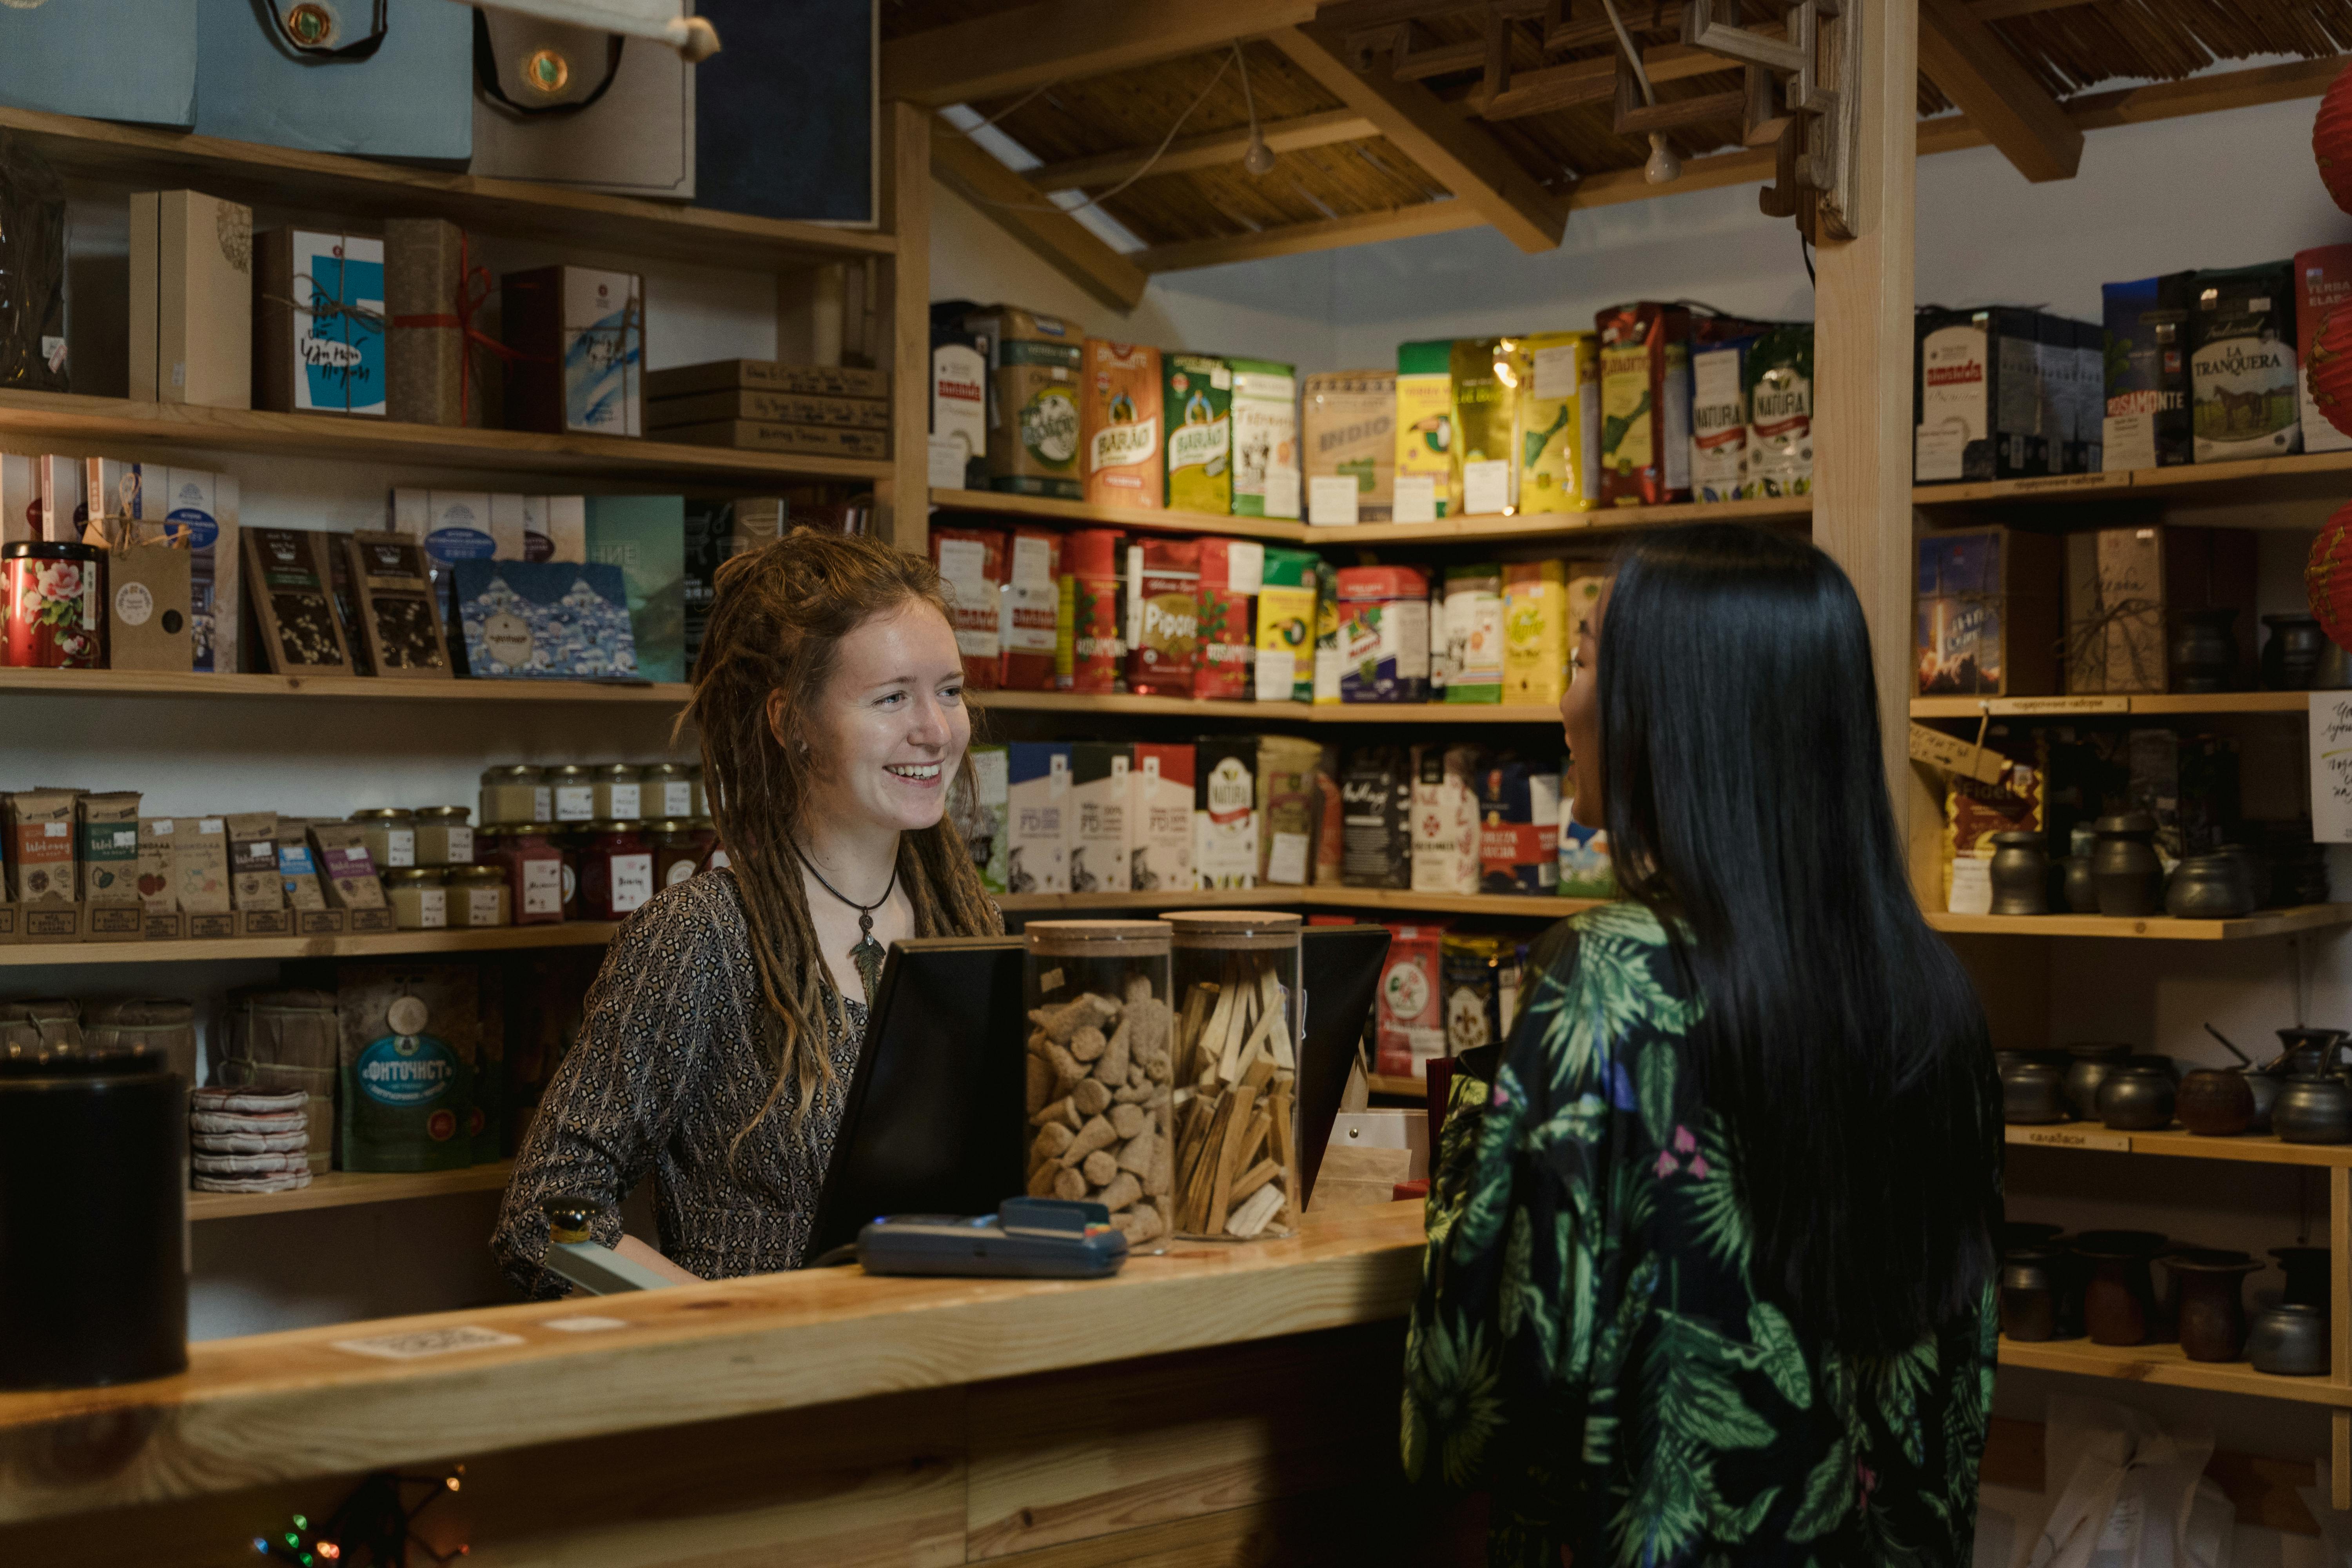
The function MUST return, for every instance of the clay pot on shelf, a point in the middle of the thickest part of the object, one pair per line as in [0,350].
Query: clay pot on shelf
[2209,1292]
[2136,1097]
[2334,671]
[2120,1298]
[2029,1295]
[2092,1061]
[2208,887]
[2308,1052]
[2032,1088]
[2291,655]
[2215,1102]
[2313,1110]
[2129,876]
[2289,1339]
[2205,650]
[2021,874]
[2081,888]
[2306,1269]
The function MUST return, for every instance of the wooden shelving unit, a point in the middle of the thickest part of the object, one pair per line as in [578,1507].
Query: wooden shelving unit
[2177,1142]
[383,944]
[1267,712]
[1372,900]
[343,1189]
[97,683]
[2265,922]
[1396,1086]
[2096,707]
[2170,1366]
[2307,475]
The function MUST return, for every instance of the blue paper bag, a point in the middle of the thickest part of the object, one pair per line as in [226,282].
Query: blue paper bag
[385,78]
[544,620]
[107,60]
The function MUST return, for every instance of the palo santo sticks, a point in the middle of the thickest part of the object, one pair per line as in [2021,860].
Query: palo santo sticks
[1233,1144]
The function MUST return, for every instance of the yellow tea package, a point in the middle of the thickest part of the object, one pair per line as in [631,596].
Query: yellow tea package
[1199,407]
[1534,631]
[1428,480]
[1559,421]
[1484,402]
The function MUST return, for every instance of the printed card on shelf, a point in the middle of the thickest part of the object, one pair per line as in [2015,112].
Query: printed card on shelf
[2331,767]
[544,620]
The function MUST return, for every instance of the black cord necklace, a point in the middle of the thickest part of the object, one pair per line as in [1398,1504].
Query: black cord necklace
[867,953]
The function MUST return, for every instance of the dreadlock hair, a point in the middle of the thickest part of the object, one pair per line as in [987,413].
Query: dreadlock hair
[776,624]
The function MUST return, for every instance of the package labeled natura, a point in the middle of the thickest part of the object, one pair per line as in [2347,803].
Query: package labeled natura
[1644,404]
[1348,430]
[1163,634]
[1159,818]
[1383,634]
[1376,804]
[1199,403]
[1037,812]
[1777,382]
[1097,826]
[1265,439]
[2242,333]
[410,1034]
[1559,414]
[1224,812]
[1120,424]
[1718,458]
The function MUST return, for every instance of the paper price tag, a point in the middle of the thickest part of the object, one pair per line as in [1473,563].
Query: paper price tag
[2331,767]
[1486,488]
[1416,497]
[1282,492]
[1331,498]
[424,1343]
[943,463]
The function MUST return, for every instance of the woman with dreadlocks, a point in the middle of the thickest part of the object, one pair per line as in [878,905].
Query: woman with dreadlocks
[720,1034]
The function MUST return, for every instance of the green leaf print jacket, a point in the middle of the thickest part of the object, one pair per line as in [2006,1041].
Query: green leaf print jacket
[1588,1342]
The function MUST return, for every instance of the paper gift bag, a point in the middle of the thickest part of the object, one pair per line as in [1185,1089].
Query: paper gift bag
[106,59]
[319,320]
[147,613]
[379,79]
[573,106]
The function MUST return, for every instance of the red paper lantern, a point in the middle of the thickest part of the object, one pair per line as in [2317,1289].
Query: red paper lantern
[2330,371]
[2331,139]
[2328,577]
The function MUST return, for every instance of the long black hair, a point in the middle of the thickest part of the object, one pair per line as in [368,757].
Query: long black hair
[1843,1044]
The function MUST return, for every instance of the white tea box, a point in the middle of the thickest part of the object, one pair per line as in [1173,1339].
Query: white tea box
[1097,827]
[1159,818]
[1037,812]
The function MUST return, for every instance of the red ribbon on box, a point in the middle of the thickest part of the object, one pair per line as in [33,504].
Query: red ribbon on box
[473,293]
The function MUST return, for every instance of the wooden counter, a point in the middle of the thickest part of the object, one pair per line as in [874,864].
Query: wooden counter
[1213,1395]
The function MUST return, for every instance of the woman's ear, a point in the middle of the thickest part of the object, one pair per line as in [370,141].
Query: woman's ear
[776,701]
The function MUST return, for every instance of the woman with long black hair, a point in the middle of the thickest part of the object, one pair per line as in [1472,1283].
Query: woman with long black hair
[1711,1249]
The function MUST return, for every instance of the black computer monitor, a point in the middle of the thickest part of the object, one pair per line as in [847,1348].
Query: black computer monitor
[934,1121]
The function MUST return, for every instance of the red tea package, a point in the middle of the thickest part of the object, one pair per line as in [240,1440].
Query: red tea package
[1226,650]
[1028,607]
[1086,647]
[1410,1016]
[972,565]
[1165,593]
[1645,401]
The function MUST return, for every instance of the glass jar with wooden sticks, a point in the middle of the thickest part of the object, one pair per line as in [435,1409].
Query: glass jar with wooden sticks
[1236,977]
[1099,1066]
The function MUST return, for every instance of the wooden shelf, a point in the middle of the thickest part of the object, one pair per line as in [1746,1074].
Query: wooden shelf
[2179,1142]
[357,190]
[138,683]
[2265,922]
[2313,476]
[1392,1084]
[2170,1365]
[113,426]
[1534,906]
[2093,707]
[497,939]
[342,1189]
[1375,535]
[1266,713]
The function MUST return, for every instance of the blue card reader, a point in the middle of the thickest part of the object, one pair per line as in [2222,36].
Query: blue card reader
[1036,1238]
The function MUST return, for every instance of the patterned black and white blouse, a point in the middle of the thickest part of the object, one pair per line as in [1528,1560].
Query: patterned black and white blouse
[665,1074]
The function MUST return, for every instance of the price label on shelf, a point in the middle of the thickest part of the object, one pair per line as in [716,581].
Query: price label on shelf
[1331,498]
[1416,497]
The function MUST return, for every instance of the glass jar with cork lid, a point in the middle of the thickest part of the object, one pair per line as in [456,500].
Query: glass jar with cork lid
[515,792]
[1098,1070]
[1236,978]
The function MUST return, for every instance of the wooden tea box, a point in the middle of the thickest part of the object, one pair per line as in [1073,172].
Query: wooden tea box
[1988,612]
[2126,589]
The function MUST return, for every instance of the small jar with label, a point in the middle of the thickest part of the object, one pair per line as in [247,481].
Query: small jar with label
[419,899]
[390,834]
[536,874]
[618,797]
[668,791]
[677,853]
[53,605]
[515,792]
[573,791]
[616,871]
[480,897]
[442,837]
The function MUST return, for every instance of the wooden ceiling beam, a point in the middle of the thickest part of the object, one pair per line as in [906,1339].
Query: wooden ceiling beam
[1462,157]
[1054,40]
[1022,210]
[2002,10]
[1207,152]
[1969,64]
[1332,234]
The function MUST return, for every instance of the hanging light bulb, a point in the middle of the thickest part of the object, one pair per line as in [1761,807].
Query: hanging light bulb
[1664,168]
[1258,158]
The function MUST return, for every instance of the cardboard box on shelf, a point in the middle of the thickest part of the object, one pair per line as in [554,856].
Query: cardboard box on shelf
[2128,591]
[1096,829]
[318,323]
[106,851]
[190,300]
[1348,430]
[769,408]
[431,377]
[40,860]
[644,536]
[1037,813]
[768,376]
[1988,614]
[1159,818]
[579,333]
[52,923]
[807,440]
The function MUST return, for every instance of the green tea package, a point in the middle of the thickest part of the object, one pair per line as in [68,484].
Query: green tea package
[410,1039]
[1197,407]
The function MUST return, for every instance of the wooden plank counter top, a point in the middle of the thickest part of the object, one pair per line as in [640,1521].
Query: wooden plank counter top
[285,1407]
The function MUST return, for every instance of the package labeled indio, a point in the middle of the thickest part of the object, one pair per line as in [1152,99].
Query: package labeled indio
[1236,977]
[1099,1070]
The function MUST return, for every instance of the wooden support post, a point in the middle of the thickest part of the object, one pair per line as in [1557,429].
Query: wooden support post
[903,501]
[1862,486]
[2339,1331]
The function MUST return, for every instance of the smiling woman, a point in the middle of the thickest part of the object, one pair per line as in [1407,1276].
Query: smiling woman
[719,1036]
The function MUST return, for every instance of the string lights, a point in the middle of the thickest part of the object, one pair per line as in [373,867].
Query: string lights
[373,1527]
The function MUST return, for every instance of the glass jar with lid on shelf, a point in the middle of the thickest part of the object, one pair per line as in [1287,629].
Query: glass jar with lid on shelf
[1098,1070]
[516,792]
[418,897]
[572,788]
[677,851]
[536,874]
[479,896]
[615,870]
[668,791]
[390,834]
[618,797]
[443,837]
